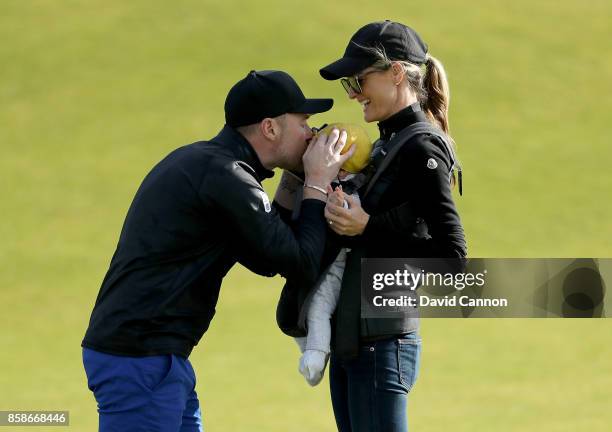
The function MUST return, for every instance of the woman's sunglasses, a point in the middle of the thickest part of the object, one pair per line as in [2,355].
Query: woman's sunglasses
[353,83]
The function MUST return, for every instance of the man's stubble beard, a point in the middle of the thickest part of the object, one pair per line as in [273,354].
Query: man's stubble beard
[292,162]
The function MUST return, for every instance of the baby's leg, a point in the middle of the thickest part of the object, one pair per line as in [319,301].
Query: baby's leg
[301,341]
[325,298]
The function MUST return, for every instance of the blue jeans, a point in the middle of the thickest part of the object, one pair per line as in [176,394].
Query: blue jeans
[148,394]
[369,393]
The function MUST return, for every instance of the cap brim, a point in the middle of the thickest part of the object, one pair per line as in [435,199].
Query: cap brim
[314,106]
[346,66]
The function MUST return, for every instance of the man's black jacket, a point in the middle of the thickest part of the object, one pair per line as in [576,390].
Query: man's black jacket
[197,213]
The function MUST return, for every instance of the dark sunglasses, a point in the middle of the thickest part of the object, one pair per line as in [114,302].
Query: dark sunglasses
[353,83]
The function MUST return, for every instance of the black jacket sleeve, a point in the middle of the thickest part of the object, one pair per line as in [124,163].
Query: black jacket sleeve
[264,243]
[284,213]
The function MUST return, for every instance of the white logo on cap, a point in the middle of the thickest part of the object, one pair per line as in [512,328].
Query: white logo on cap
[432,164]
[266,201]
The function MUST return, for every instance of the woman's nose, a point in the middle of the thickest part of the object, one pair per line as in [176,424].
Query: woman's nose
[352,94]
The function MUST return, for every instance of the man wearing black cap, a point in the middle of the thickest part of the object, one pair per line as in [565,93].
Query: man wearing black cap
[198,212]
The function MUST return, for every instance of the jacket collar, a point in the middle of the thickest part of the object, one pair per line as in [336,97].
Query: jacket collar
[398,121]
[238,145]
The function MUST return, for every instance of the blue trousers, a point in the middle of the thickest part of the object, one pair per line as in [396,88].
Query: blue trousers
[148,394]
[369,393]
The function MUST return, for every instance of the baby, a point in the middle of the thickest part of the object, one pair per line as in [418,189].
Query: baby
[315,347]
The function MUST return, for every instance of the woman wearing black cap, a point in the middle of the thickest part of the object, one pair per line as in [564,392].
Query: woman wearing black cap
[406,210]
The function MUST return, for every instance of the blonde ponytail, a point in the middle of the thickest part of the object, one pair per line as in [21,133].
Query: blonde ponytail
[436,88]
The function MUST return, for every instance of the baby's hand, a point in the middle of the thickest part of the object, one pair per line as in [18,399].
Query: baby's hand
[312,366]
[336,196]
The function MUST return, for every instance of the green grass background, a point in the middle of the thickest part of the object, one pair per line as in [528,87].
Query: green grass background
[94,93]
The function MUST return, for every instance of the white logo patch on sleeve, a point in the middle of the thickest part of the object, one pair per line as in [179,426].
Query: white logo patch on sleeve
[266,201]
[432,164]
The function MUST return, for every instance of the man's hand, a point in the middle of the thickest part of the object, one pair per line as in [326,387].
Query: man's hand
[349,221]
[322,159]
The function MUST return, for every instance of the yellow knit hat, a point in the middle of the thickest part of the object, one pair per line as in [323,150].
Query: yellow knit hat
[356,136]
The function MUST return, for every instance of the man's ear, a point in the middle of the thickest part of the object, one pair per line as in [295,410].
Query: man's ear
[269,128]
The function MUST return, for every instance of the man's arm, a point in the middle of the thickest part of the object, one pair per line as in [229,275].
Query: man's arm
[263,242]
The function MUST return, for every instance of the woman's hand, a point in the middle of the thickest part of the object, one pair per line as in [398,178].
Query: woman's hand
[345,221]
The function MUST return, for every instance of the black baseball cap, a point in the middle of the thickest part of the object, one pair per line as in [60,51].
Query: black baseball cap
[268,93]
[399,42]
